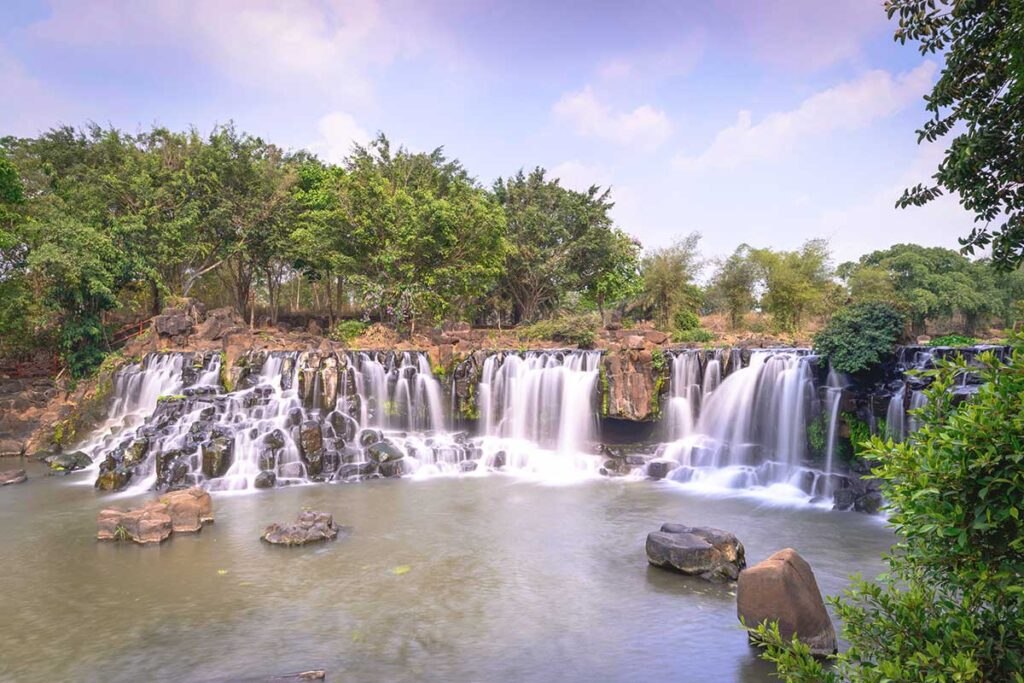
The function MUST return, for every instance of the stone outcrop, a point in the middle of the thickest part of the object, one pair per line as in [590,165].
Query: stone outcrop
[64,463]
[782,588]
[631,383]
[8,477]
[22,404]
[310,527]
[712,554]
[178,512]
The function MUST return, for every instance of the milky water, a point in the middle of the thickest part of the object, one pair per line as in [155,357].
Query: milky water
[507,580]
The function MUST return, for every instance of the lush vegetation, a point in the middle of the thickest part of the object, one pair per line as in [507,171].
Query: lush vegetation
[953,340]
[978,101]
[860,336]
[951,606]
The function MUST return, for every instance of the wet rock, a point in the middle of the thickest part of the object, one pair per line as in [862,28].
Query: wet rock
[146,525]
[712,554]
[136,452]
[344,426]
[870,503]
[274,440]
[843,499]
[383,451]
[68,462]
[292,470]
[468,466]
[394,468]
[265,480]
[500,460]
[295,417]
[218,455]
[12,477]
[310,527]
[311,438]
[188,509]
[783,589]
[267,460]
[368,437]
[113,479]
[659,469]
[354,470]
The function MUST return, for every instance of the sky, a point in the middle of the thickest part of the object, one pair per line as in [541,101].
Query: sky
[768,122]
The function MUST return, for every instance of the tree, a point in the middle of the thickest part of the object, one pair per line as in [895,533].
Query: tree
[733,284]
[552,232]
[951,606]
[608,264]
[860,336]
[979,101]
[668,275]
[796,283]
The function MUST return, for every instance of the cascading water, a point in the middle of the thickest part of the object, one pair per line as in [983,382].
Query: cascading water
[685,394]
[833,398]
[751,431]
[895,415]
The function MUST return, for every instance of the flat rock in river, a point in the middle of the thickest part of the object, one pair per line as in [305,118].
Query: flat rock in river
[310,527]
[711,554]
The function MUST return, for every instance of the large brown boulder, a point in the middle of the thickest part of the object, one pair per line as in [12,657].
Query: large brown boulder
[782,588]
[712,554]
[188,509]
[145,525]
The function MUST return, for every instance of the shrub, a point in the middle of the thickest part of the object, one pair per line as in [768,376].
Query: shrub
[859,336]
[951,606]
[953,340]
[579,330]
[698,336]
[685,320]
[347,330]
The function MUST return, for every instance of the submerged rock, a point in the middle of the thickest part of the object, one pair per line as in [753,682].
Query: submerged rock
[310,527]
[12,477]
[68,462]
[180,511]
[712,554]
[383,452]
[782,588]
[659,469]
[265,480]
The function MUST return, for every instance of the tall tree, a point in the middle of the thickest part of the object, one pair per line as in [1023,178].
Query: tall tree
[979,102]
[668,275]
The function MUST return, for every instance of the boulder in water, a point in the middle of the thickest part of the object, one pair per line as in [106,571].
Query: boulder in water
[68,462]
[265,480]
[311,437]
[274,440]
[659,469]
[468,466]
[368,437]
[712,554]
[113,479]
[500,460]
[310,527]
[783,589]
[355,470]
[383,451]
[12,477]
[218,455]
[394,468]
[188,509]
[146,525]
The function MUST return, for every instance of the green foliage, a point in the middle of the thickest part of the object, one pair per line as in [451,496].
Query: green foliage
[817,433]
[732,286]
[951,606]
[929,283]
[696,336]
[859,336]
[796,283]
[668,276]
[978,100]
[659,361]
[579,330]
[347,330]
[685,320]
[953,340]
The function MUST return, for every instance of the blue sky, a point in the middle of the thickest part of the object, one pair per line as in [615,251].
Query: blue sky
[768,122]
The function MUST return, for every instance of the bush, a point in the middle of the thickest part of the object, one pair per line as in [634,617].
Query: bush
[579,330]
[859,336]
[951,606]
[698,336]
[685,320]
[347,330]
[953,340]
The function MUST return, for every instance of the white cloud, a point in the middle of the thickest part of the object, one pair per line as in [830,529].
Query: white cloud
[338,132]
[325,45]
[29,104]
[579,176]
[645,126]
[847,106]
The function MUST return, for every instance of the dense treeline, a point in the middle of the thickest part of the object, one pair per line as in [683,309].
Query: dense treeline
[99,227]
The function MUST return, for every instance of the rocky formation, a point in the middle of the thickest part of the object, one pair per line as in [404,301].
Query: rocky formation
[712,554]
[12,477]
[782,588]
[179,512]
[65,463]
[632,380]
[22,403]
[309,527]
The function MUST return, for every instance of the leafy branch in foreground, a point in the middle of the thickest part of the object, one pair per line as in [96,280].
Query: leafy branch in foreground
[951,607]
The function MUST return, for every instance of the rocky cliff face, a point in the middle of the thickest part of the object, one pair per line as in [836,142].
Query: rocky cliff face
[633,381]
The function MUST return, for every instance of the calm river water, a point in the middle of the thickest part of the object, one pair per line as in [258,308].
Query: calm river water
[506,580]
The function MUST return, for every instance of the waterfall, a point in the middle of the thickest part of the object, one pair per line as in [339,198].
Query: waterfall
[833,398]
[918,400]
[751,431]
[684,394]
[895,415]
